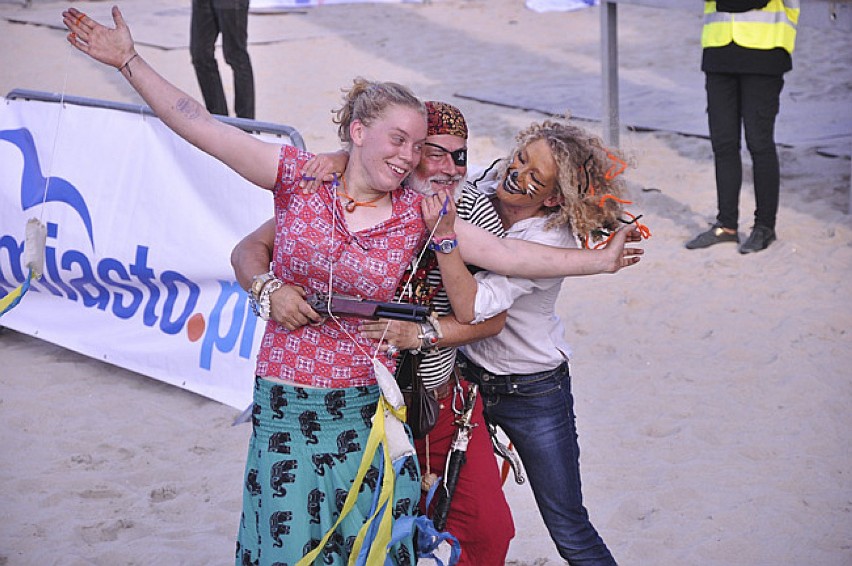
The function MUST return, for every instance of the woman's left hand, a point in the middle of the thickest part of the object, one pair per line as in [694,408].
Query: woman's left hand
[109,46]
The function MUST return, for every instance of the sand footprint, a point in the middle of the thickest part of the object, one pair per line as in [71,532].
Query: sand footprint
[164,493]
[661,430]
[105,532]
[100,493]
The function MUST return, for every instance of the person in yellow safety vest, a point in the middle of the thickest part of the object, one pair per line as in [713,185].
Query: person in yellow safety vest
[747,48]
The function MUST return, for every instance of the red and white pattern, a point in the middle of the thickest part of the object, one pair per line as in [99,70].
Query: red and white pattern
[312,242]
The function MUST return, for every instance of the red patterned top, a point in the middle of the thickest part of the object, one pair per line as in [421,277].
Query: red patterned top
[311,239]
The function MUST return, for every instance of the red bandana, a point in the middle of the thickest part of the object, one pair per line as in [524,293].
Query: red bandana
[445,119]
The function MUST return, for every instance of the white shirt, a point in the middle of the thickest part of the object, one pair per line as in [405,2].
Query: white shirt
[533,338]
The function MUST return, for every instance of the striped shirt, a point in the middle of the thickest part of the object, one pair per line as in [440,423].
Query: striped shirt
[436,365]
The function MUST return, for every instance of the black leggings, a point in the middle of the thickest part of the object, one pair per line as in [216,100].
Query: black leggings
[229,18]
[734,101]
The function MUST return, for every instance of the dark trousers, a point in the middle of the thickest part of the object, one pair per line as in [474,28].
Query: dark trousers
[536,411]
[735,101]
[229,18]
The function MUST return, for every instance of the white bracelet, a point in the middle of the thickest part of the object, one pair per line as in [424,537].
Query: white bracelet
[258,282]
[264,308]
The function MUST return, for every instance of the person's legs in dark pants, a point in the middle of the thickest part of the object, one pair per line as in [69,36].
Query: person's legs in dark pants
[203,31]
[760,101]
[724,119]
[538,417]
[233,23]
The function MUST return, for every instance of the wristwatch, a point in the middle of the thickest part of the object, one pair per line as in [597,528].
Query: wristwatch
[257,283]
[444,246]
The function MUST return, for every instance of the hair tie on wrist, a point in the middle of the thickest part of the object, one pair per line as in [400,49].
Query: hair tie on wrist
[126,63]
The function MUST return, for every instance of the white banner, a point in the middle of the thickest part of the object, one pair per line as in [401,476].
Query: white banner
[140,229]
[268,6]
[559,5]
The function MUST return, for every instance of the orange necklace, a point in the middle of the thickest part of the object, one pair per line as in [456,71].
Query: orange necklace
[350,204]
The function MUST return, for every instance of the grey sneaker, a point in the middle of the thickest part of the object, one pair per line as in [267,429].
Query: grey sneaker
[715,235]
[760,238]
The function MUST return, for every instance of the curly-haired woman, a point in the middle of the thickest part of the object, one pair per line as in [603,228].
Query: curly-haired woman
[561,188]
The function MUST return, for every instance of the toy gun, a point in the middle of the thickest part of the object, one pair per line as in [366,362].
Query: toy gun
[343,305]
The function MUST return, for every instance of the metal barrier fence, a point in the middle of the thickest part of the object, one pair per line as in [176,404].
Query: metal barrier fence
[251,126]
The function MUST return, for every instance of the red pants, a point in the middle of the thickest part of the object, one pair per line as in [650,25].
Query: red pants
[479,516]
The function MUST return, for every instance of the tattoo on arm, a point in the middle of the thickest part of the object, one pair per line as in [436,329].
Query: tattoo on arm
[189,108]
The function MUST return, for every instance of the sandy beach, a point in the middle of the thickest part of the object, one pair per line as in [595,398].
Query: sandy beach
[713,389]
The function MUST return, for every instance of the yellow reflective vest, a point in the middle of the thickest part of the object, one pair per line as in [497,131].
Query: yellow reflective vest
[770,27]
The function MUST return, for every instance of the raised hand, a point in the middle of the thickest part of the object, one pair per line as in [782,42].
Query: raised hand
[111,46]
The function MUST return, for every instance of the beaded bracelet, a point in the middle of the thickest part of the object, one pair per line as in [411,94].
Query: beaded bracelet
[263,302]
[264,279]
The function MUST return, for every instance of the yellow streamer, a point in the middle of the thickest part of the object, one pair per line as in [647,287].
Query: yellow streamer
[378,550]
[11,299]
[36,236]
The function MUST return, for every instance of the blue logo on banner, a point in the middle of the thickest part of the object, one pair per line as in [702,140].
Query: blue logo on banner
[34,184]
[166,299]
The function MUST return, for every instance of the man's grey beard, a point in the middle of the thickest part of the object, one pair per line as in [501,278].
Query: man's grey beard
[424,186]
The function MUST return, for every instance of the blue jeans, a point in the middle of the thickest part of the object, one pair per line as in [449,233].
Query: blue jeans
[537,413]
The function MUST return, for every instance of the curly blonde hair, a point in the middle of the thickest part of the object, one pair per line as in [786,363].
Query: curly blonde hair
[367,100]
[588,171]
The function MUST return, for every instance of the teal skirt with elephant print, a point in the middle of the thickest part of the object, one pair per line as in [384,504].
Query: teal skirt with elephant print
[304,453]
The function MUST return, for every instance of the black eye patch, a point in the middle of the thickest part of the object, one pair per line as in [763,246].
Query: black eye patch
[458,156]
